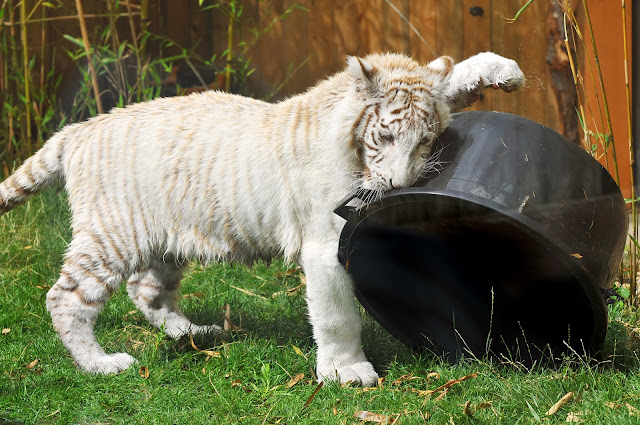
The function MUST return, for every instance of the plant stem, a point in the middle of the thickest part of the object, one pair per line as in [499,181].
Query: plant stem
[87,48]
[634,208]
[115,42]
[25,63]
[144,23]
[43,43]
[229,51]
[134,39]
[604,93]
[63,18]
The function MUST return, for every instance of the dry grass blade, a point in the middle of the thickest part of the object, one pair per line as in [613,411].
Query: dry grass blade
[55,412]
[245,291]
[564,400]
[299,377]
[228,324]
[574,417]
[632,410]
[373,417]
[467,409]
[209,353]
[403,378]
[310,399]
[456,381]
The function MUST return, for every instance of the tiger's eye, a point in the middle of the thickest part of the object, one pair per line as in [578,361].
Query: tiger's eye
[388,138]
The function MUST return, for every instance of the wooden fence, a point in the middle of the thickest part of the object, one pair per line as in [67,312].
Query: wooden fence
[293,52]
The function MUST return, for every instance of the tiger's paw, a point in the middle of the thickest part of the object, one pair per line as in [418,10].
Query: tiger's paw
[108,363]
[470,77]
[361,373]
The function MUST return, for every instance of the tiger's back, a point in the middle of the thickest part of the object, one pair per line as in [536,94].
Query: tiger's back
[210,175]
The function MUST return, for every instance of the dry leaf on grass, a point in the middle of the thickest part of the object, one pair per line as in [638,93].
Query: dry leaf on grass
[194,295]
[470,411]
[32,364]
[228,324]
[144,372]
[632,410]
[373,417]
[574,417]
[484,405]
[209,353]
[6,331]
[294,380]
[564,400]
[467,409]
[445,387]
[298,351]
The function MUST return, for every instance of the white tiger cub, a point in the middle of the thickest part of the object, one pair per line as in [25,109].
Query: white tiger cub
[218,176]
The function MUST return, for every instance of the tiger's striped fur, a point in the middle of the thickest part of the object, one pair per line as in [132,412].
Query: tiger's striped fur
[218,176]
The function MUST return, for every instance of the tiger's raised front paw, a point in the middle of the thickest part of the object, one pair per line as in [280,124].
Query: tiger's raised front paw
[361,373]
[479,72]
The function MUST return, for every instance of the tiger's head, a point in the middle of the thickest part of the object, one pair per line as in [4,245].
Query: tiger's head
[395,137]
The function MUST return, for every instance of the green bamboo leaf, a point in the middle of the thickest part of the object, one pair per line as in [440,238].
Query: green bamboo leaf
[74,40]
[522,9]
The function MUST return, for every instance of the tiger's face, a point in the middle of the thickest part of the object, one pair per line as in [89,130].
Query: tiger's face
[398,129]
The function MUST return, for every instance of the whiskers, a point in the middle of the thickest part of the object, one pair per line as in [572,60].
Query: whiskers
[433,163]
[366,190]
[368,196]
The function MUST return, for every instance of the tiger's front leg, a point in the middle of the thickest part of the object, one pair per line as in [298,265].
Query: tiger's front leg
[334,317]
[471,76]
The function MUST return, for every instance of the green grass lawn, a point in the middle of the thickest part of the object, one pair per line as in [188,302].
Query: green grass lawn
[249,376]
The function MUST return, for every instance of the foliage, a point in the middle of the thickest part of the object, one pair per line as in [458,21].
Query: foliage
[126,69]
[253,375]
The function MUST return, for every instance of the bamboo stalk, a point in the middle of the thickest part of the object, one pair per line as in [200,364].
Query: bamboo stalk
[634,208]
[115,42]
[229,52]
[575,77]
[134,38]
[144,23]
[13,65]
[604,93]
[43,42]
[64,18]
[597,133]
[87,48]
[25,64]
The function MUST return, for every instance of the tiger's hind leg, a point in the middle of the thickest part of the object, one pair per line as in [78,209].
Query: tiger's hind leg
[76,299]
[154,291]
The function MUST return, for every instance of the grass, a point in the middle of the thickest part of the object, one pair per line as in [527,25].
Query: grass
[247,381]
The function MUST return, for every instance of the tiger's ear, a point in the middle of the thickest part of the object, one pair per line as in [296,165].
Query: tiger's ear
[365,74]
[440,69]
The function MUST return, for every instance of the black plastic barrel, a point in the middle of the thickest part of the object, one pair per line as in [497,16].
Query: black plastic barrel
[507,250]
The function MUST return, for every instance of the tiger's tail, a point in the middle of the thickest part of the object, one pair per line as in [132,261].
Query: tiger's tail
[41,170]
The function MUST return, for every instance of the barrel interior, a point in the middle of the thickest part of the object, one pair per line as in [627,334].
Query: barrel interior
[458,277]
